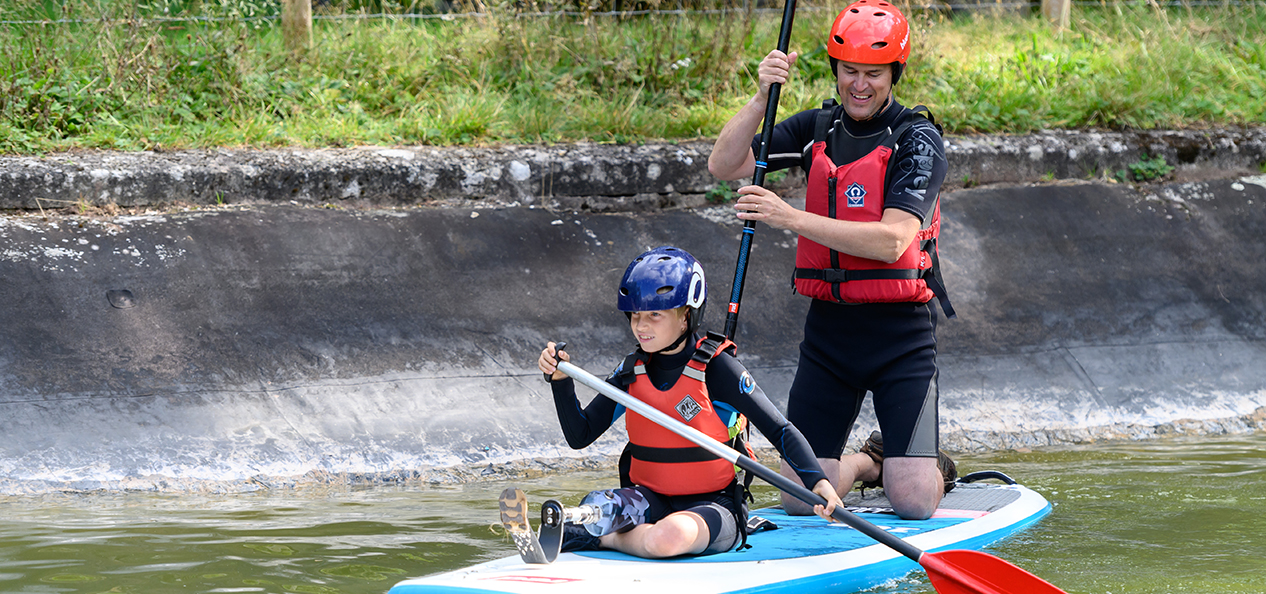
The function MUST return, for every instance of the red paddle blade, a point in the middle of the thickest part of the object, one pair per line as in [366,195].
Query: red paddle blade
[974,572]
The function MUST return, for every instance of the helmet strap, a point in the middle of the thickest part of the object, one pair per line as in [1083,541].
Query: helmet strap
[676,343]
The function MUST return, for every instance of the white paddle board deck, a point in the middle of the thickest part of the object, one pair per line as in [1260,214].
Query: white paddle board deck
[804,554]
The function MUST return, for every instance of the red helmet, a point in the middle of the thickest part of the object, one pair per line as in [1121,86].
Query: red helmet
[870,32]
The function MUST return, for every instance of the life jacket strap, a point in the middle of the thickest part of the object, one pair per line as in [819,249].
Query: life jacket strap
[669,455]
[709,346]
[629,367]
[935,282]
[932,276]
[840,275]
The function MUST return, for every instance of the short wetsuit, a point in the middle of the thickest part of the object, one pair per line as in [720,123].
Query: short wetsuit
[840,360]
[730,387]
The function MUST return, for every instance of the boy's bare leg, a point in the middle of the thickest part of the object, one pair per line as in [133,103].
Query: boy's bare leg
[681,533]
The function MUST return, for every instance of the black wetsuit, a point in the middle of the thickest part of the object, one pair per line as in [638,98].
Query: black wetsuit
[886,348]
[728,390]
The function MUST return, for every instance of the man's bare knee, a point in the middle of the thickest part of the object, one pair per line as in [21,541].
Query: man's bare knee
[792,505]
[913,510]
[913,500]
[795,507]
[913,486]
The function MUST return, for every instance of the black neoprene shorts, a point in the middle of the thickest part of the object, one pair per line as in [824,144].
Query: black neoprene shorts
[888,349]
[716,509]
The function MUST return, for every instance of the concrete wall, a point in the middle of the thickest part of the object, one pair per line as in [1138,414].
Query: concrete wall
[238,344]
[586,177]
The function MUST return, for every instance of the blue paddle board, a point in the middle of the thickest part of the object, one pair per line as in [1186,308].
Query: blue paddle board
[803,554]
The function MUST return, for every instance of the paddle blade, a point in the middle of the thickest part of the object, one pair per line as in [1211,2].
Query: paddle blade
[974,572]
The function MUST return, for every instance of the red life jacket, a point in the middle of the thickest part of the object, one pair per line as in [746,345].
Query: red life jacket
[662,460]
[823,273]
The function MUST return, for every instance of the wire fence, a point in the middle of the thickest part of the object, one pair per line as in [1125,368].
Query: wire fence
[476,14]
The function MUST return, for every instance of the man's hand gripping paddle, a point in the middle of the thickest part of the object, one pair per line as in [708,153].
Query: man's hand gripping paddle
[766,135]
[950,571]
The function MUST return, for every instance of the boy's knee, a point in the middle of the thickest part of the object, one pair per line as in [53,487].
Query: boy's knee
[669,539]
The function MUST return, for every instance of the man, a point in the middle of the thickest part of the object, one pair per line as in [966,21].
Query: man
[866,254]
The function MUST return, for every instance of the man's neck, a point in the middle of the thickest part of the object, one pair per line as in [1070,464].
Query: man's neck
[875,123]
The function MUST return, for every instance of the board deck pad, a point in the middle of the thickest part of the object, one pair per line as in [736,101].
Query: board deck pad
[804,553]
[975,497]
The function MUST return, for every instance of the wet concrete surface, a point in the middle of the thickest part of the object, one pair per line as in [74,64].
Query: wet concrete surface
[260,344]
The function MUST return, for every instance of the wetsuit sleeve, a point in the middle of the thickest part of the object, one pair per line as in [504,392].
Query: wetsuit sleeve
[728,386]
[916,177]
[789,147]
[582,426]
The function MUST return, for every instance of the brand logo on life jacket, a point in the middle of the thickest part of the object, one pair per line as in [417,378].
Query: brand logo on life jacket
[688,408]
[856,194]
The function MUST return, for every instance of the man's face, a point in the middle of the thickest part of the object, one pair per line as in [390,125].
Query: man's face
[864,88]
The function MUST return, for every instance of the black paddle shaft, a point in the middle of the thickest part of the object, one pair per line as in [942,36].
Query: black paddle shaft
[766,135]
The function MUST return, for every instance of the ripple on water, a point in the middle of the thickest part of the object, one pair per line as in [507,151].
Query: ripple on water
[1172,517]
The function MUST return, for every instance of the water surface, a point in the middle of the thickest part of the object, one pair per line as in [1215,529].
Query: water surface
[1134,518]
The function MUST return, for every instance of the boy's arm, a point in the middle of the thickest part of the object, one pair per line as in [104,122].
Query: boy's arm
[730,383]
[581,426]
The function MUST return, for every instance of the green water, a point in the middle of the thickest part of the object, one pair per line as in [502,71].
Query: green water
[1157,517]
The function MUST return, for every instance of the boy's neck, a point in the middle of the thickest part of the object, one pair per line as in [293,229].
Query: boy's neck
[683,341]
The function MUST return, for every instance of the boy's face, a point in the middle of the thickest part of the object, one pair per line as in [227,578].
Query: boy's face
[655,330]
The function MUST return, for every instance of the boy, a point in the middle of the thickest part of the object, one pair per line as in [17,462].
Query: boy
[675,498]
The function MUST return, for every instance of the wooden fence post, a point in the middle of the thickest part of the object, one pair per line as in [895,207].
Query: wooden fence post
[296,25]
[1057,12]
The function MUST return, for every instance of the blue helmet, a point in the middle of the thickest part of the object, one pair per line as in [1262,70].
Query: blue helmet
[664,278]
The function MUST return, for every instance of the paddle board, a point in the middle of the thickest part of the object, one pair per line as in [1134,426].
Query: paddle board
[803,554]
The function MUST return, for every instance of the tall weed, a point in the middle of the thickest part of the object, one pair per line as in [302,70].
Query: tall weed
[515,76]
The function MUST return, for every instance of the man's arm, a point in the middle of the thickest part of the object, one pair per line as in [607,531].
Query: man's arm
[884,240]
[919,171]
[732,156]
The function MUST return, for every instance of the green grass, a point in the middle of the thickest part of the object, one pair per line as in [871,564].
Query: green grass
[150,84]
